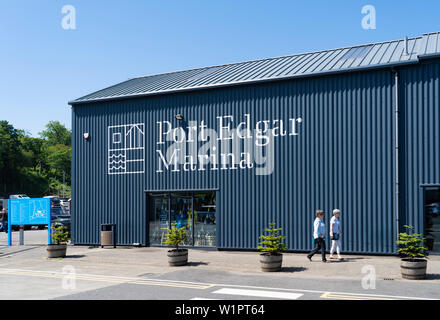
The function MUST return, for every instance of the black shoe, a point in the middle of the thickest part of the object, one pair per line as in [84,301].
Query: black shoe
[310,258]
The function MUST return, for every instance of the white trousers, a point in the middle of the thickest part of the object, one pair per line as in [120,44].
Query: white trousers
[336,245]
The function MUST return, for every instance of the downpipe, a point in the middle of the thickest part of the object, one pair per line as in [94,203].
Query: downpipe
[397,149]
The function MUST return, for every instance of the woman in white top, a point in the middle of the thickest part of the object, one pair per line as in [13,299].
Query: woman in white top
[335,234]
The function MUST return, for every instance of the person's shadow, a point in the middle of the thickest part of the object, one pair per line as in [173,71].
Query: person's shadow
[345,260]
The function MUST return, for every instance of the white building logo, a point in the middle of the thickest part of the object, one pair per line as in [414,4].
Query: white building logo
[234,143]
[126,151]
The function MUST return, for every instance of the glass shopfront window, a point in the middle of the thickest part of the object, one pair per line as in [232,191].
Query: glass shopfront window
[432,218]
[193,210]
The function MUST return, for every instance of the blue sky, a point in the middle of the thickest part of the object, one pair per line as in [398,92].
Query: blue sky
[44,66]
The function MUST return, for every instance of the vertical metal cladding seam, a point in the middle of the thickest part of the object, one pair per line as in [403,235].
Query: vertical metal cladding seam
[377,176]
[248,237]
[291,155]
[370,170]
[366,192]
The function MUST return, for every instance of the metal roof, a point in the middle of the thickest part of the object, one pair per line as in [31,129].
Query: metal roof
[299,65]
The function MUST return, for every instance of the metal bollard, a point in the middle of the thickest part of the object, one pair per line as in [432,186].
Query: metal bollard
[21,229]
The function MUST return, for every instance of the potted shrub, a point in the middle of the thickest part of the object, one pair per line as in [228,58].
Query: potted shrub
[271,258]
[175,237]
[60,237]
[413,262]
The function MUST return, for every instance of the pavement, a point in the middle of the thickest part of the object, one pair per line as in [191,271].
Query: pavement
[97,269]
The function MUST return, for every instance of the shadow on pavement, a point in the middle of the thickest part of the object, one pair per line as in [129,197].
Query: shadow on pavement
[197,263]
[432,276]
[293,269]
[74,256]
[5,254]
[346,260]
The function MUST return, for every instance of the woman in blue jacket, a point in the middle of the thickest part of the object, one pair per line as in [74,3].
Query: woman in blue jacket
[318,235]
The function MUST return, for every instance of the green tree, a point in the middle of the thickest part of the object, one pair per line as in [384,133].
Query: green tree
[59,160]
[272,242]
[32,149]
[56,158]
[56,133]
[34,166]
[411,244]
[176,236]
[11,159]
[60,234]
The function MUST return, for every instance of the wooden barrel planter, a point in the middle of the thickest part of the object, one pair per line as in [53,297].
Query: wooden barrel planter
[413,269]
[56,250]
[177,257]
[271,263]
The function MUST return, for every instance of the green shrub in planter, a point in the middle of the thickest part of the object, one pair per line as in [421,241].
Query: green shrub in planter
[411,247]
[272,243]
[272,246]
[175,237]
[60,236]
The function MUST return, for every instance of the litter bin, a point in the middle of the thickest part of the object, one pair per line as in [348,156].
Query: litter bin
[108,235]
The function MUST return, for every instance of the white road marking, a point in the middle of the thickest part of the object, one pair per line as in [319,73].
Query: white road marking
[260,293]
[199,298]
[322,292]
[210,285]
[329,295]
[101,278]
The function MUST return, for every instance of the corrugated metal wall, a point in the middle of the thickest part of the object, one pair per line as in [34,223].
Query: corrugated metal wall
[99,198]
[343,158]
[420,119]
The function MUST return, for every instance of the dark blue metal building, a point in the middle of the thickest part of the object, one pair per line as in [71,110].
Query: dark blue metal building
[225,150]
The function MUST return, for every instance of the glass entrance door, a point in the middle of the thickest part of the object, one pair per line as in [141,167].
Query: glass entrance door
[204,219]
[432,218]
[158,217]
[196,211]
[182,213]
